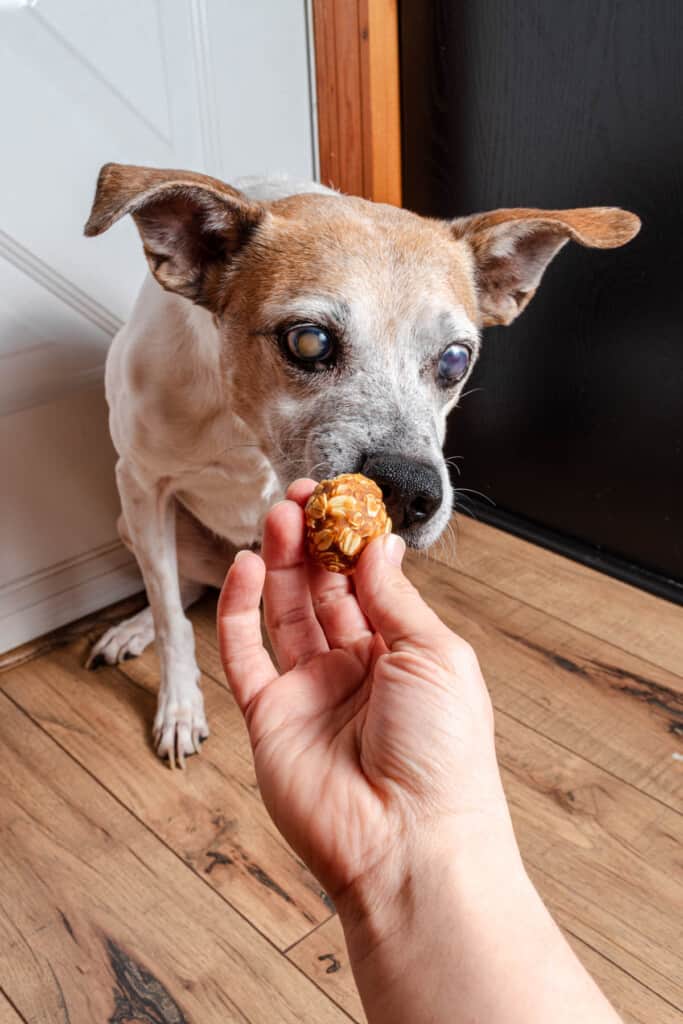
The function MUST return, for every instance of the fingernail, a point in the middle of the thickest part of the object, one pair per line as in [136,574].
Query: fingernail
[394,548]
[240,554]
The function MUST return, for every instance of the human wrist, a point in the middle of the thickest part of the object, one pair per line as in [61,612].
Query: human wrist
[468,938]
[441,871]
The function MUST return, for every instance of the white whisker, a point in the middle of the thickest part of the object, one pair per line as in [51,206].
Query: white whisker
[471,490]
[472,391]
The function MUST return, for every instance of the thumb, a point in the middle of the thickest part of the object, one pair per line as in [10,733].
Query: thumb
[388,598]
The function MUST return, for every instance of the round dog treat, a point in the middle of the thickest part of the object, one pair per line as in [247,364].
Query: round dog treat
[342,516]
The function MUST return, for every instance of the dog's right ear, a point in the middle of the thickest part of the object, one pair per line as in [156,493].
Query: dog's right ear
[190,224]
[512,248]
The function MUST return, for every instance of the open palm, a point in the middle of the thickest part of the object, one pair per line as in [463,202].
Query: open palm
[366,731]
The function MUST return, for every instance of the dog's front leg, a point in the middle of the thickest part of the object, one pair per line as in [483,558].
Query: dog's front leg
[149,510]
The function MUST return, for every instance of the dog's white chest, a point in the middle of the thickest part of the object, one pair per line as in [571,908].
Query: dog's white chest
[232,500]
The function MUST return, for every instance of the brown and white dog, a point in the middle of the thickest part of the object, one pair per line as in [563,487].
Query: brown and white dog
[287,331]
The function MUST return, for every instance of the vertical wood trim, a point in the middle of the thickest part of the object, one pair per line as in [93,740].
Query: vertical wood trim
[357,80]
[326,89]
[350,99]
[382,99]
[368,125]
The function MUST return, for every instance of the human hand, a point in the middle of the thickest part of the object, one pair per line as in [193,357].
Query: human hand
[375,737]
[374,752]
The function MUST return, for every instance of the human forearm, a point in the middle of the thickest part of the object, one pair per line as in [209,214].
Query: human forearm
[467,938]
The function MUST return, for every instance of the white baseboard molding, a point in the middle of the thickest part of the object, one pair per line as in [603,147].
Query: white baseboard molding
[64,592]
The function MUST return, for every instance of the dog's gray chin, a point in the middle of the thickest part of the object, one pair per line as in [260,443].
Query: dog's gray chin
[419,541]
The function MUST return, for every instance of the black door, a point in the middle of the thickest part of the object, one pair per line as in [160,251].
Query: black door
[574,423]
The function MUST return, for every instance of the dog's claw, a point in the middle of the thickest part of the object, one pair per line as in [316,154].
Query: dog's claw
[179,728]
[197,739]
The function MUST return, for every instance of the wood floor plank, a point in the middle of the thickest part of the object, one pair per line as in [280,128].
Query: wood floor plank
[644,625]
[587,730]
[211,814]
[8,1015]
[322,956]
[608,852]
[636,1004]
[99,921]
[605,857]
[619,712]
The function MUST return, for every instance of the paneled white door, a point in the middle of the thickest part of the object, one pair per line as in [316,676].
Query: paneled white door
[213,85]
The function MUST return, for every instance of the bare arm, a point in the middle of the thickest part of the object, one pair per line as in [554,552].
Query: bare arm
[374,751]
[466,938]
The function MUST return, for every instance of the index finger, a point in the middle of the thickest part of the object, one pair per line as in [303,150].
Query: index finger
[294,631]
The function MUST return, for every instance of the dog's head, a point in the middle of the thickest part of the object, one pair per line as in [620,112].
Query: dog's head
[348,328]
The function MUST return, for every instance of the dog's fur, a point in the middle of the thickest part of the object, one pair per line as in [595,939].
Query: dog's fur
[210,418]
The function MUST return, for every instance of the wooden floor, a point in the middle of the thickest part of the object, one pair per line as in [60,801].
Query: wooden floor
[131,893]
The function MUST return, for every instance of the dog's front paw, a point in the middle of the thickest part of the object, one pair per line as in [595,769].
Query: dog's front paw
[125,640]
[180,725]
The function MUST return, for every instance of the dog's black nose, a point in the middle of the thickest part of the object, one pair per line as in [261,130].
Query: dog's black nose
[412,490]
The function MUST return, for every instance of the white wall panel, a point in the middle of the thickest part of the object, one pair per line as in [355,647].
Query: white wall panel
[59,557]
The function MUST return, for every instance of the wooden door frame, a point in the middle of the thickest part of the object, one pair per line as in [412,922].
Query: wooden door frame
[358,92]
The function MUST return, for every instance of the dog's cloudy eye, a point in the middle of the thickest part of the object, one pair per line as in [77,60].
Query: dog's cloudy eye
[453,363]
[309,344]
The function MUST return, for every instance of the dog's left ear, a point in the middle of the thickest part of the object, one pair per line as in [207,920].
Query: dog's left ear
[191,225]
[512,248]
